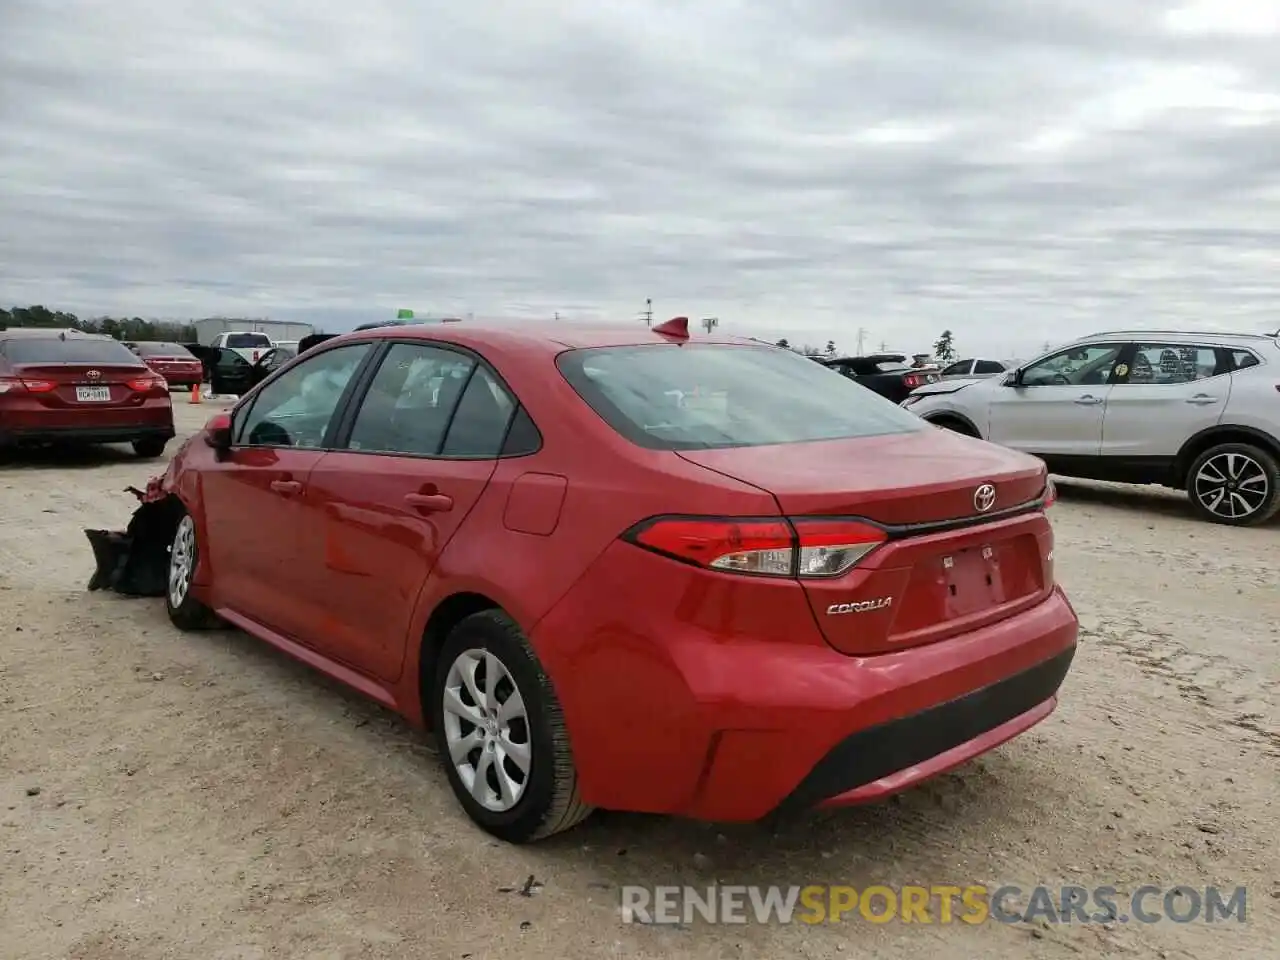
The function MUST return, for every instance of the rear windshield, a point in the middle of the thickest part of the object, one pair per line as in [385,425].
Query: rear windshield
[708,396]
[238,341]
[56,350]
[164,350]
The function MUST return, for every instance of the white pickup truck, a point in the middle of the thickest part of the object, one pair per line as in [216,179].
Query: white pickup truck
[248,344]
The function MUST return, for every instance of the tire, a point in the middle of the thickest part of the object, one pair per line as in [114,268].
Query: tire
[1252,493]
[150,448]
[546,800]
[185,611]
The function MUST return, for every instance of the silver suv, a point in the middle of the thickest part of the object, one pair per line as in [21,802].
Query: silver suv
[1193,411]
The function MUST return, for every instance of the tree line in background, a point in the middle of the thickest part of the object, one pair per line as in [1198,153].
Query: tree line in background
[121,328]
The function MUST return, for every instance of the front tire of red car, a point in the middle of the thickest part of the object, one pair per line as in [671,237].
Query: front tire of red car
[185,611]
[502,733]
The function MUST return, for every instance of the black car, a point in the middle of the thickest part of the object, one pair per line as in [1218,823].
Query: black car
[887,374]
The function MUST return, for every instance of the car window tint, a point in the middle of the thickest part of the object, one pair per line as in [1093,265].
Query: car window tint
[1076,366]
[1243,358]
[70,350]
[164,350]
[295,411]
[1163,363]
[955,368]
[523,436]
[410,400]
[988,366]
[706,396]
[240,341]
[480,422]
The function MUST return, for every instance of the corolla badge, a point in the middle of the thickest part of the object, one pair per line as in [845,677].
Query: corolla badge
[984,498]
[862,606]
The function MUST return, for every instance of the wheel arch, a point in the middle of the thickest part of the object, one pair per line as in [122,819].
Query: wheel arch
[941,417]
[446,615]
[1211,437]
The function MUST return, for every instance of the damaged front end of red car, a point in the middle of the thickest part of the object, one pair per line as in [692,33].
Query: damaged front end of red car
[134,562]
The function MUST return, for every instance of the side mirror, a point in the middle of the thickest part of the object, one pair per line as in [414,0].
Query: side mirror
[217,432]
[1013,378]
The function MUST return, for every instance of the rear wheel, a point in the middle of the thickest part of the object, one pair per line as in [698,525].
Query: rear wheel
[150,448]
[1236,484]
[185,611]
[502,734]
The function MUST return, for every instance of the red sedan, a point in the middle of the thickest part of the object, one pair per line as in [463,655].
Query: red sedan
[71,387]
[178,365]
[628,569]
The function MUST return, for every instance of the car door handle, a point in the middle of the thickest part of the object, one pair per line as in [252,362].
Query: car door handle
[429,502]
[286,488]
[1202,398]
[1088,399]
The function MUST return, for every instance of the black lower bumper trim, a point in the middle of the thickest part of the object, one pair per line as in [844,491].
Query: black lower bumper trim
[886,748]
[87,435]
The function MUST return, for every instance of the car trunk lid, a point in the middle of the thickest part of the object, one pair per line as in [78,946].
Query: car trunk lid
[85,385]
[965,544]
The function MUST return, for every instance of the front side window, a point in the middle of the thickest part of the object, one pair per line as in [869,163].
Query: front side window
[708,396]
[296,409]
[1075,367]
[1164,363]
[411,400]
[988,366]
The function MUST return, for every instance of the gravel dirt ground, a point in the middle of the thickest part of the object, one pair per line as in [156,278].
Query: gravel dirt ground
[168,795]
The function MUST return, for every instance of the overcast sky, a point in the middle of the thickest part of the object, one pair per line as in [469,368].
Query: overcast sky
[1015,171]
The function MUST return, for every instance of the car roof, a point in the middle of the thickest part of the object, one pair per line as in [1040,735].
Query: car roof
[550,336]
[1176,336]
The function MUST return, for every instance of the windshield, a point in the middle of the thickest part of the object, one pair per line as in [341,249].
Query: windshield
[164,350]
[706,396]
[238,341]
[77,350]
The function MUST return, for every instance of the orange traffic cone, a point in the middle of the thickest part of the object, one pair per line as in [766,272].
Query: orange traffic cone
[195,393]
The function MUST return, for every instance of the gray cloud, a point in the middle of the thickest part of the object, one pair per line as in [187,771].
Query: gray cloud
[1015,172]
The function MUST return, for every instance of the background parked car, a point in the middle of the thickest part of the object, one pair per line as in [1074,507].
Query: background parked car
[887,374]
[1198,411]
[976,368]
[178,365]
[58,387]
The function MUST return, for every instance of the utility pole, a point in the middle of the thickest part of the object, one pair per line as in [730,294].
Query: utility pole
[884,347]
[710,323]
[648,312]
[862,336]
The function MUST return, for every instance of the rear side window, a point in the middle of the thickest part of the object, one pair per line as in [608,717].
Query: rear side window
[239,341]
[707,396]
[57,350]
[960,367]
[988,366]
[1240,359]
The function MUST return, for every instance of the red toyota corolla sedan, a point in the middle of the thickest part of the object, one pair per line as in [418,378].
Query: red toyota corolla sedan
[71,387]
[628,569]
[178,365]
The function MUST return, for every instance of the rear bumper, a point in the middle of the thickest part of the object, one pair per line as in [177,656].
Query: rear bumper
[114,434]
[688,706]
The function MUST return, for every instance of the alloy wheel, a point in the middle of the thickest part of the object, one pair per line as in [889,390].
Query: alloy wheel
[182,557]
[1232,485]
[486,730]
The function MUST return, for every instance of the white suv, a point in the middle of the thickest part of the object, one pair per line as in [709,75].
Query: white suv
[1194,411]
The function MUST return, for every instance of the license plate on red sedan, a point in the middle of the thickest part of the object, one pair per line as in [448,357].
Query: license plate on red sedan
[93,394]
[972,581]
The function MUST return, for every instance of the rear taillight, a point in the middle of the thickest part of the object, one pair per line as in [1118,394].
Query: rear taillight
[1050,496]
[143,384]
[911,380]
[16,385]
[797,547]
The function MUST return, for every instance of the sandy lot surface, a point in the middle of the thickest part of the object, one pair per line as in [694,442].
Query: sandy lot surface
[164,795]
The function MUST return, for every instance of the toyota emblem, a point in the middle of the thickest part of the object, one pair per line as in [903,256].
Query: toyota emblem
[984,498]
[93,374]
